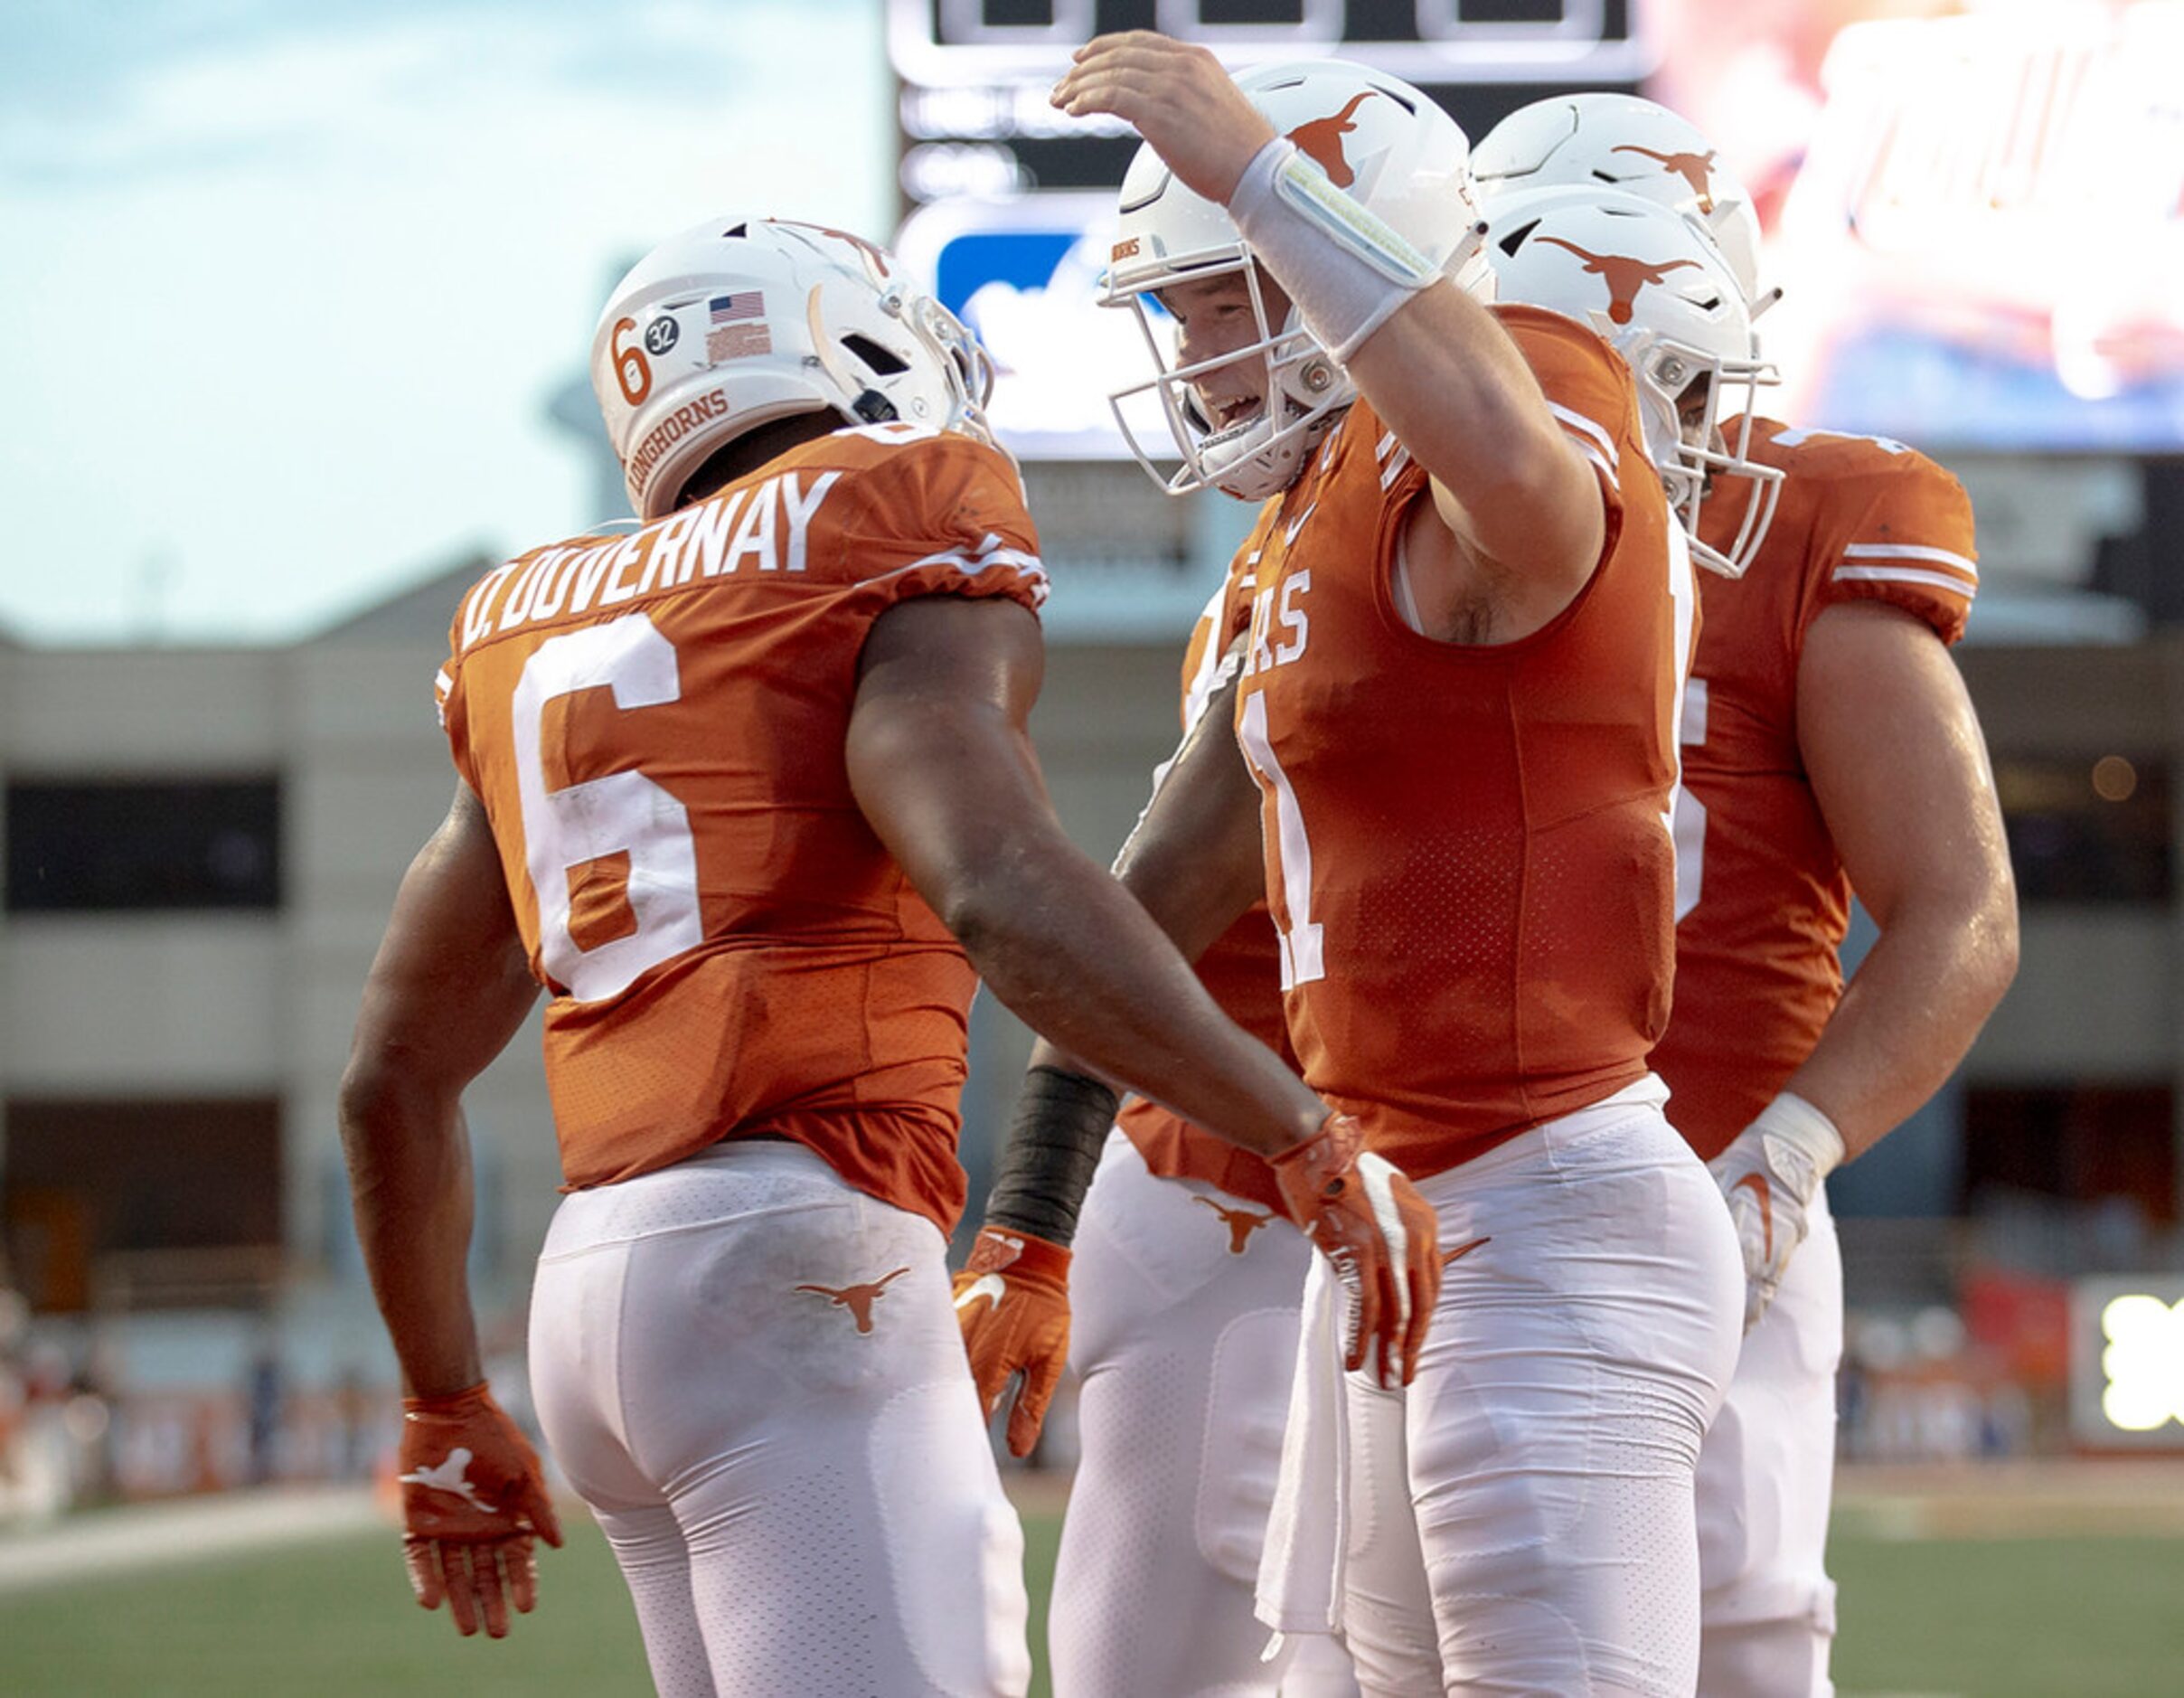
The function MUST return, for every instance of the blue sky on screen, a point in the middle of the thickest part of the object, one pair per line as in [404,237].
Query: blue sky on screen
[290,285]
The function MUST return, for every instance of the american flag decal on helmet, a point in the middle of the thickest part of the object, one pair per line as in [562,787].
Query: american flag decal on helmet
[739,330]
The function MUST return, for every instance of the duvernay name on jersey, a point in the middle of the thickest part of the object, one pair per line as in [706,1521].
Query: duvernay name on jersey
[762,529]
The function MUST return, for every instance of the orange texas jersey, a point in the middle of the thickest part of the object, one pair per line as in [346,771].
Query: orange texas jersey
[1243,968]
[655,724]
[1761,896]
[1468,847]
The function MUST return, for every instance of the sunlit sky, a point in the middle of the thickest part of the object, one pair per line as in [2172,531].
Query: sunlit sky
[288,284]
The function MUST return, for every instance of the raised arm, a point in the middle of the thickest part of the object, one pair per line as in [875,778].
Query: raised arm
[448,990]
[1443,376]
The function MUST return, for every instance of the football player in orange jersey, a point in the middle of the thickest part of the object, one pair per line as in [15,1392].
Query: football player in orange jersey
[1457,697]
[1828,743]
[742,789]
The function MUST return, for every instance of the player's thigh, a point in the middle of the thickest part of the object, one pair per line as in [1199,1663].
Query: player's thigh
[654,1560]
[1187,1306]
[1388,1609]
[1766,1659]
[1766,1471]
[1579,1352]
[1185,1338]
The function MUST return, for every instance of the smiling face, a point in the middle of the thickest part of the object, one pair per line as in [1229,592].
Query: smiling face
[1216,316]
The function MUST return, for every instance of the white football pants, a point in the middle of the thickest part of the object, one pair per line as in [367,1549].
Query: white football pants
[1185,1305]
[753,1374]
[1522,1519]
[1766,1475]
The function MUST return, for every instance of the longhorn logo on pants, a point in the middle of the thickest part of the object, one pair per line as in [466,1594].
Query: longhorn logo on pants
[857,1299]
[1241,1224]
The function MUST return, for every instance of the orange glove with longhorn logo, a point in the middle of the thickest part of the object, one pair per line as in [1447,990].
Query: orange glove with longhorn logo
[1768,1174]
[473,1498]
[1012,1302]
[1381,1236]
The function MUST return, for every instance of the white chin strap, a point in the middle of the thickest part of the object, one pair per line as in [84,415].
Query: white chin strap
[1248,463]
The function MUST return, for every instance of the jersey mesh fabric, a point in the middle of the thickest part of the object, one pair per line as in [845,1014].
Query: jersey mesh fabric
[1491,868]
[1242,969]
[801,987]
[1859,519]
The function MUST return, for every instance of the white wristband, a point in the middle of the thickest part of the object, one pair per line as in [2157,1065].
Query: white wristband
[1795,1122]
[1345,268]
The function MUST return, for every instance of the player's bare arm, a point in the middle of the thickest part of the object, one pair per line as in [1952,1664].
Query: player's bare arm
[941,760]
[447,991]
[1900,769]
[1522,525]
[1193,861]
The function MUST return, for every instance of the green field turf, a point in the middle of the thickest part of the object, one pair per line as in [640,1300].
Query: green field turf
[1982,1618]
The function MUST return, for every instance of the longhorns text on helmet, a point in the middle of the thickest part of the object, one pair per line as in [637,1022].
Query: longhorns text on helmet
[740,321]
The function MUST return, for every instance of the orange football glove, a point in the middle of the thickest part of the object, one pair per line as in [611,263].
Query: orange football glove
[1012,1302]
[473,1497]
[1379,1235]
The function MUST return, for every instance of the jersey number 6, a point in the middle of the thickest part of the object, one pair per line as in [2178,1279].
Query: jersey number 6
[622,827]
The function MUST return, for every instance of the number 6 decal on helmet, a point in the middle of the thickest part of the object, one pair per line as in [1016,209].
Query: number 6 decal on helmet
[632,371]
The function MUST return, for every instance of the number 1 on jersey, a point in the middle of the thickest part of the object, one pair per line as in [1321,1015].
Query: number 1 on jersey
[1302,956]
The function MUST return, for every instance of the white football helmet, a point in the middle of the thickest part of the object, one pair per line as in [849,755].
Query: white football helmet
[1656,288]
[742,320]
[1619,141]
[1376,138]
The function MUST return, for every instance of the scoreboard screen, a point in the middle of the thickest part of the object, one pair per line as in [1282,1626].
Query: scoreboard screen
[975,74]
[1007,203]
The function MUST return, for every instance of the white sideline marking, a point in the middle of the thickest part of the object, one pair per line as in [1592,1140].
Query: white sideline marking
[111,1541]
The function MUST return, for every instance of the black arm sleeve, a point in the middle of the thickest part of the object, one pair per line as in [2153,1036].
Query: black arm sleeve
[1060,1124]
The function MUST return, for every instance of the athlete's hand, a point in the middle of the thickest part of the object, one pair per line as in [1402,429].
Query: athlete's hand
[473,1498]
[1379,1234]
[1769,1175]
[1012,1302]
[1177,96]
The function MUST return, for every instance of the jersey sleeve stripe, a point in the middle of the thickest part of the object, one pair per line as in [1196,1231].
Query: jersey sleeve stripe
[1026,566]
[1593,455]
[1903,575]
[1910,550]
[441,682]
[1579,425]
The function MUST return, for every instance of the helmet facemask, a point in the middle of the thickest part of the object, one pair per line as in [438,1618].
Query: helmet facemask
[1698,390]
[1301,390]
[1651,282]
[1380,139]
